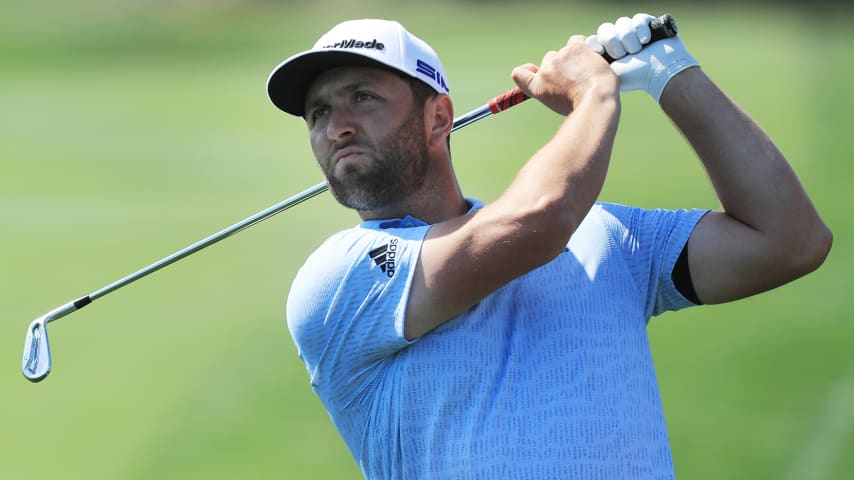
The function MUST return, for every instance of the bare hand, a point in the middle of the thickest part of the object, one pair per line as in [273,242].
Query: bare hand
[565,76]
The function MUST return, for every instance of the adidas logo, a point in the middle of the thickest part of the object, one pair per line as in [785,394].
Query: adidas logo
[385,256]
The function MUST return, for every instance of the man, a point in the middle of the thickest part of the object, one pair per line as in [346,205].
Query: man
[451,339]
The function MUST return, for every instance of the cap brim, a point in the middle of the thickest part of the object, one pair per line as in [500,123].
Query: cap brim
[290,80]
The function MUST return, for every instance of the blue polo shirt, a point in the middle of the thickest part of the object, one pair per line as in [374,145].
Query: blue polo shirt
[550,376]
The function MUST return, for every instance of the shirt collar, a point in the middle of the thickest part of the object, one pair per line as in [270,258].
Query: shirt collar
[411,222]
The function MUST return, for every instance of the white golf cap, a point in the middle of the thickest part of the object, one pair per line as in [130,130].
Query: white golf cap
[369,42]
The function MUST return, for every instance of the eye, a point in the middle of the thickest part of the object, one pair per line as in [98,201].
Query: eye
[318,112]
[360,97]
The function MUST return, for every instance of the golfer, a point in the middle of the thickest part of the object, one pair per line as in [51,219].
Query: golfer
[453,339]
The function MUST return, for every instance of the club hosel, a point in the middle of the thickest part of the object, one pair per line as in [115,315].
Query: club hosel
[64,310]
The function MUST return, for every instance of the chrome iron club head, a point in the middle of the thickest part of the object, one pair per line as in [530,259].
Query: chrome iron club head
[36,363]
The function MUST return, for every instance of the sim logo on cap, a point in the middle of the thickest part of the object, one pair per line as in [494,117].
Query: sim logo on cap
[425,68]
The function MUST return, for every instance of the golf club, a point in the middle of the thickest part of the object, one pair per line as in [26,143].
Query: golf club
[36,362]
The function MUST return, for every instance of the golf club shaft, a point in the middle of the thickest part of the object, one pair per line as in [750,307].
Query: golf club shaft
[661,27]
[36,359]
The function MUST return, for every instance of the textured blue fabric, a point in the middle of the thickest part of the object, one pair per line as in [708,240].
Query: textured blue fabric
[550,376]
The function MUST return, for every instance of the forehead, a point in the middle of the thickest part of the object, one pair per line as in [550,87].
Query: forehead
[341,80]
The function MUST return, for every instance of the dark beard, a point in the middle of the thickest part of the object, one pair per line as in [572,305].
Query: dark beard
[398,170]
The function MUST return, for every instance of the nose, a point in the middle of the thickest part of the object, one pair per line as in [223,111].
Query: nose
[341,125]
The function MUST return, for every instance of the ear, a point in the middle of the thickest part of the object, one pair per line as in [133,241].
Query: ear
[439,119]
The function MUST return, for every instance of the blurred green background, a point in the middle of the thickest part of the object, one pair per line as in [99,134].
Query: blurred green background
[130,129]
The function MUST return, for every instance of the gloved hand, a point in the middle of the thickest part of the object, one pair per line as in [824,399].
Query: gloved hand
[641,67]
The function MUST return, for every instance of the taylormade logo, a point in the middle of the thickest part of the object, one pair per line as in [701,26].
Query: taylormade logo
[353,43]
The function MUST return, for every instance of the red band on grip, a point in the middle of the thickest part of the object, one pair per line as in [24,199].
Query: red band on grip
[506,100]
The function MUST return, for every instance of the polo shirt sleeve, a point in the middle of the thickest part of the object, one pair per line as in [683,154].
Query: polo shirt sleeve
[651,241]
[346,309]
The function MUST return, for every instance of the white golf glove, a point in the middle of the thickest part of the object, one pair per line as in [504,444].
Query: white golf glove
[648,68]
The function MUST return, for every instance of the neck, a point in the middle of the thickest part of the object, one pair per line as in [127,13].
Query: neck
[438,199]
[431,208]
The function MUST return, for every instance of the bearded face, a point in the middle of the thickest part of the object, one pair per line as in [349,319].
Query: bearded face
[397,167]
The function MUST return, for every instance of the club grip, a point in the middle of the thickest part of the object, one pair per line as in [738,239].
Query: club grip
[508,99]
[660,28]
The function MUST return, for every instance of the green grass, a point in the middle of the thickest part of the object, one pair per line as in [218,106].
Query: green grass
[128,132]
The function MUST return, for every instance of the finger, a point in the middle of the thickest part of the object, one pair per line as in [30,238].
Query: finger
[641,25]
[607,34]
[576,39]
[626,34]
[523,75]
[593,42]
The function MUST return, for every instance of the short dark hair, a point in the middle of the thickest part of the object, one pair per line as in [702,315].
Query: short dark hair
[421,92]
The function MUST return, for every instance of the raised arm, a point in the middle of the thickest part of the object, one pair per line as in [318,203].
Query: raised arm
[466,258]
[768,233]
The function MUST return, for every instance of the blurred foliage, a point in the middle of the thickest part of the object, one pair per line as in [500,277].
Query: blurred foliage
[129,129]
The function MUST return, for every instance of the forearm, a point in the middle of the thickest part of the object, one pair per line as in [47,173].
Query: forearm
[552,193]
[466,258]
[752,179]
[769,232]
[566,175]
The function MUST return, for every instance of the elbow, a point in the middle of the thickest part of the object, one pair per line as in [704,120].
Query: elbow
[549,225]
[819,247]
[808,251]
[533,230]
